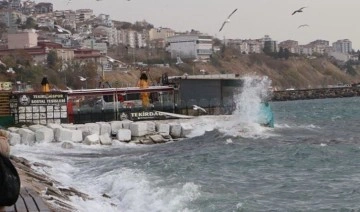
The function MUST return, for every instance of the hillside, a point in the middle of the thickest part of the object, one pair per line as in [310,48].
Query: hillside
[296,72]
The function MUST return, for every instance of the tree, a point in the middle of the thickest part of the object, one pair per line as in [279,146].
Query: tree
[52,59]
[287,53]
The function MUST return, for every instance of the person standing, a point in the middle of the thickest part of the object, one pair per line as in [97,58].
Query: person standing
[143,84]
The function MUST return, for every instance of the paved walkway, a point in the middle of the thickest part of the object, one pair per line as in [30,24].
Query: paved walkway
[28,201]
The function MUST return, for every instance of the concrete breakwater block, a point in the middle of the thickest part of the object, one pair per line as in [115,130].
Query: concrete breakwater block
[163,129]
[138,129]
[157,138]
[151,127]
[105,139]
[126,124]
[35,127]
[53,126]
[14,138]
[105,128]
[115,126]
[44,134]
[62,134]
[92,139]
[175,130]
[123,135]
[185,130]
[27,136]
[92,128]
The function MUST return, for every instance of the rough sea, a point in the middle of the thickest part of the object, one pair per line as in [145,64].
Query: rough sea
[310,161]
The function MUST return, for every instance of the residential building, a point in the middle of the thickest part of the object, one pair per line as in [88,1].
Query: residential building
[343,46]
[320,46]
[11,18]
[340,56]
[190,46]
[306,49]
[84,15]
[291,45]
[44,7]
[269,44]
[15,4]
[92,44]
[105,20]
[160,33]
[22,39]
[28,7]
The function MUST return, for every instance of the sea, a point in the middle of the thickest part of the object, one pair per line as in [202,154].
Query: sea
[310,161]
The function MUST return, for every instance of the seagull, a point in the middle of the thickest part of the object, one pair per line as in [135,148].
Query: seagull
[298,11]
[82,78]
[303,25]
[195,107]
[227,20]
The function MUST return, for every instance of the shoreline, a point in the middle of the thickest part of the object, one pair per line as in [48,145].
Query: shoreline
[54,195]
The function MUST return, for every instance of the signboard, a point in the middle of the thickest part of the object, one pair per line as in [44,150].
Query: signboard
[39,108]
[5,86]
[141,115]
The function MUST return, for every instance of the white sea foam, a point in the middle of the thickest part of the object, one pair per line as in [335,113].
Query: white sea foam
[129,189]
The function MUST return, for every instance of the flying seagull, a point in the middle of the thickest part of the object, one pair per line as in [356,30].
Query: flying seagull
[195,107]
[227,20]
[298,11]
[303,25]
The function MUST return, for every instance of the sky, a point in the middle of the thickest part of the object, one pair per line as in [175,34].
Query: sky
[329,20]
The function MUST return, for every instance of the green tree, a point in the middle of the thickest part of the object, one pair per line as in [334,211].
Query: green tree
[52,60]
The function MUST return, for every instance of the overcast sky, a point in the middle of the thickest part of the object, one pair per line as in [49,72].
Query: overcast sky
[329,20]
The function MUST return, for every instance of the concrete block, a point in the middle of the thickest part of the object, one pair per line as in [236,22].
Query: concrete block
[62,134]
[163,129]
[151,127]
[77,136]
[175,130]
[92,139]
[157,138]
[67,145]
[53,126]
[69,126]
[44,134]
[105,139]
[36,127]
[126,124]
[13,129]
[93,128]
[115,126]
[14,138]
[138,129]
[27,136]
[185,130]
[105,128]
[124,135]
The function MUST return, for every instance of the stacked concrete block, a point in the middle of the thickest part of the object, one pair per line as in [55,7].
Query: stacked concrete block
[138,129]
[92,139]
[105,139]
[27,136]
[162,128]
[175,130]
[44,134]
[115,126]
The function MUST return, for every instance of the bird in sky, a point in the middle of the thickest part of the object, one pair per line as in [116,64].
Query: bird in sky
[195,107]
[298,11]
[227,20]
[303,25]
[82,78]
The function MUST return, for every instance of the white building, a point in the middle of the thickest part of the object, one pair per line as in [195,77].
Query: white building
[84,15]
[160,33]
[190,46]
[343,46]
[93,44]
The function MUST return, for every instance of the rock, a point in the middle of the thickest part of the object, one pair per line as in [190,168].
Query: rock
[92,139]
[163,129]
[138,129]
[14,139]
[44,134]
[105,139]
[123,135]
[27,136]
[67,145]
[157,138]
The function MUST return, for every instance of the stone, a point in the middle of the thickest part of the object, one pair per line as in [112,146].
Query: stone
[93,128]
[157,138]
[124,135]
[151,127]
[44,134]
[175,130]
[138,129]
[92,139]
[67,145]
[163,129]
[27,136]
[14,139]
[126,124]
[105,139]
